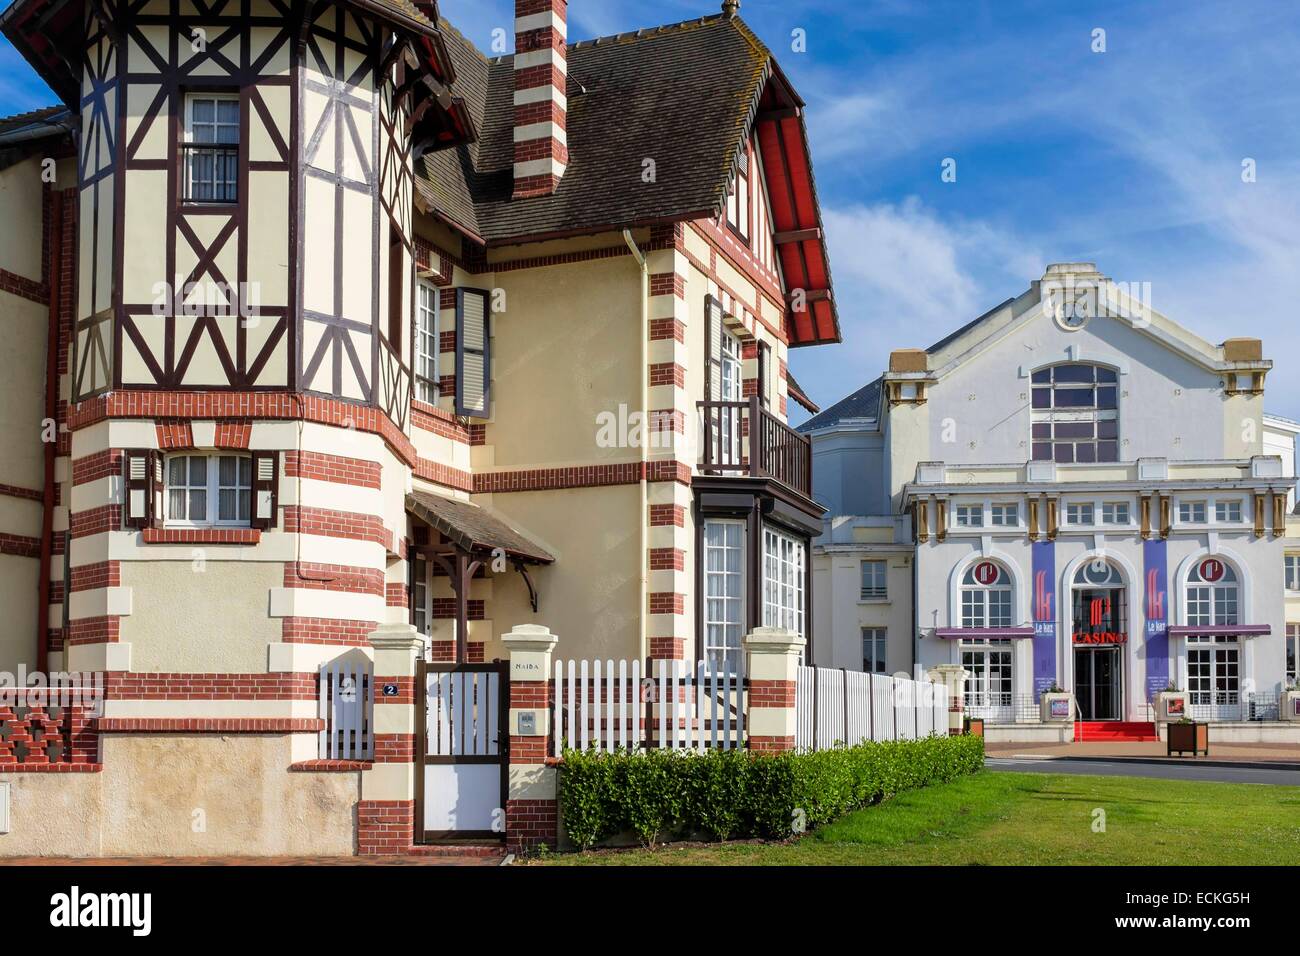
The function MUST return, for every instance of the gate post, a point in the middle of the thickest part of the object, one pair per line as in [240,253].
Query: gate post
[773,675]
[386,812]
[532,816]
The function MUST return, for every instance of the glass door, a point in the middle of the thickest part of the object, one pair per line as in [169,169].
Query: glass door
[1097,683]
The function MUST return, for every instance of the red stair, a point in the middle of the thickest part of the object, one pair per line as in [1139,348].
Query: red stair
[1094,731]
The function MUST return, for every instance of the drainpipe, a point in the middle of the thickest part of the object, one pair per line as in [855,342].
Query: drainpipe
[51,447]
[644,485]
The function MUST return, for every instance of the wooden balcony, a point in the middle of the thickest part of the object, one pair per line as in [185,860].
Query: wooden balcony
[745,440]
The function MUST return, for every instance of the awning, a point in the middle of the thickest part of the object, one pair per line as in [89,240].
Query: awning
[982,633]
[473,528]
[1220,630]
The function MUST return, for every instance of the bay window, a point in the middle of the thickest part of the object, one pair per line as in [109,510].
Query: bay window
[783,581]
[724,592]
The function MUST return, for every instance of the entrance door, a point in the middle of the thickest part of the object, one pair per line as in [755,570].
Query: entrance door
[1097,683]
[464,741]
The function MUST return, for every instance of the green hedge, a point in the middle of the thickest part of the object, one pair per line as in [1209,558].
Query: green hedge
[735,794]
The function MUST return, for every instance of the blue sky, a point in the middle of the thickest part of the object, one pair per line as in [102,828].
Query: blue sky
[1131,157]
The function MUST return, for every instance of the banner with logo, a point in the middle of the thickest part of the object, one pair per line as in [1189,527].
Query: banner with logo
[1044,600]
[1155,607]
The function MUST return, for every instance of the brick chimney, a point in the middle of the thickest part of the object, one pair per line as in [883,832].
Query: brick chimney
[541,69]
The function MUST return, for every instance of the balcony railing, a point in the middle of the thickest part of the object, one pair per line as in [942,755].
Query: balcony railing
[743,438]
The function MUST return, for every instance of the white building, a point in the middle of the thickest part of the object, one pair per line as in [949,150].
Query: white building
[1071,490]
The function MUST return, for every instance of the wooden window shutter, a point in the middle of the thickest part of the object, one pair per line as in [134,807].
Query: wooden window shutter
[138,469]
[473,360]
[266,489]
[765,373]
[713,349]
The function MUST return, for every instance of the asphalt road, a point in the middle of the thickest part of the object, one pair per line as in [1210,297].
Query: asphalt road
[1164,771]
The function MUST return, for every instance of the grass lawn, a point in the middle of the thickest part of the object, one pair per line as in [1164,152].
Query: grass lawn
[1027,818]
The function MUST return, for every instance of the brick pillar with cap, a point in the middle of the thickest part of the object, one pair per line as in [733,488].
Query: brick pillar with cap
[386,821]
[532,806]
[773,671]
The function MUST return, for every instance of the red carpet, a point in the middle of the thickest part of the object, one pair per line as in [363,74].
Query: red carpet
[1094,730]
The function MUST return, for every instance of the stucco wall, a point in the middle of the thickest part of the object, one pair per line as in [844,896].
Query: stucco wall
[184,796]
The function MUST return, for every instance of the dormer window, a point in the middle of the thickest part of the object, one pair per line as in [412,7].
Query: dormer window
[211,147]
[1075,414]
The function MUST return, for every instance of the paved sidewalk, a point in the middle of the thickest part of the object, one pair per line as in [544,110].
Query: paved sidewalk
[1281,754]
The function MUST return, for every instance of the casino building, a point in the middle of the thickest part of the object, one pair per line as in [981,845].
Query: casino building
[1071,494]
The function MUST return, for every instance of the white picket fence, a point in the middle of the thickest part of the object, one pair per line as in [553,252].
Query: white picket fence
[834,707]
[672,705]
[346,705]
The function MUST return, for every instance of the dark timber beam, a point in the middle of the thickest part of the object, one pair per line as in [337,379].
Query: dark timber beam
[797,235]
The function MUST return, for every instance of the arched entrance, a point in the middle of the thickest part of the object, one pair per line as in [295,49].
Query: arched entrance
[1099,631]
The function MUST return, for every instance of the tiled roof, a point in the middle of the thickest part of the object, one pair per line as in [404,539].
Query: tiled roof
[472,527]
[864,403]
[680,95]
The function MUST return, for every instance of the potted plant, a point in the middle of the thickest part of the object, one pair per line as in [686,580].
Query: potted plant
[1186,735]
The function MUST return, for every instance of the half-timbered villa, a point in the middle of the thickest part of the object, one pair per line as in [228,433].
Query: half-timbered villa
[323,329]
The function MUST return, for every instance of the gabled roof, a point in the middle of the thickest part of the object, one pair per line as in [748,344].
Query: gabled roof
[862,404]
[684,95]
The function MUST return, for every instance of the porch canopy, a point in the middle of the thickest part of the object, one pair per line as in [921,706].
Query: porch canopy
[472,538]
[1219,630]
[982,633]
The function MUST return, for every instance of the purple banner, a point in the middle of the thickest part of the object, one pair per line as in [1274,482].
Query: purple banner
[1044,598]
[1155,608]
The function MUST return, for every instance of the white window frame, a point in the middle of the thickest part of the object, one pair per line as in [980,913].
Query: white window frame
[968,516]
[785,565]
[724,591]
[988,692]
[976,605]
[1213,605]
[187,185]
[875,592]
[1191,504]
[875,650]
[212,488]
[1081,514]
[1291,571]
[1111,513]
[1220,504]
[999,511]
[427,344]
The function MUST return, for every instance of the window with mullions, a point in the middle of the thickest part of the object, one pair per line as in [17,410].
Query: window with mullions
[986,603]
[1213,602]
[426,343]
[1293,572]
[874,580]
[724,593]
[783,581]
[209,490]
[874,644]
[1075,414]
[211,147]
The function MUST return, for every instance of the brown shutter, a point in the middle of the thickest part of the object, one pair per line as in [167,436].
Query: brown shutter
[473,361]
[137,471]
[713,349]
[157,488]
[266,489]
[764,373]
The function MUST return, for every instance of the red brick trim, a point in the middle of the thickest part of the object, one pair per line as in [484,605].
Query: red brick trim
[20,545]
[668,283]
[276,406]
[770,744]
[330,766]
[667,559]
[439,474]
[179,686]
[667,329]
[51,768]
[88,577]
[209,725]
[664,515]
[25,288]
[566,258]
[583,476]
[93,630]
[201,535]
[233,435]
[335,469]
[385,827]
[96,520]
[394,748]
[667,373]
[772,693]
[668,648]
[100,464]
[322,630]
[29,494]
[667,602]
[173,435]
[334,577]
[530,823]
[330,523]
[430,418]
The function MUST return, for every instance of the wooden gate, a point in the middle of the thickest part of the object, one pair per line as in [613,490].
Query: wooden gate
[463,743]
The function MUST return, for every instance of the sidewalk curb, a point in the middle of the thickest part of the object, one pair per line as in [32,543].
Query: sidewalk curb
[1175,761]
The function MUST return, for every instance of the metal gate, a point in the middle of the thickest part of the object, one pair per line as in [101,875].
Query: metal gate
[463,744]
